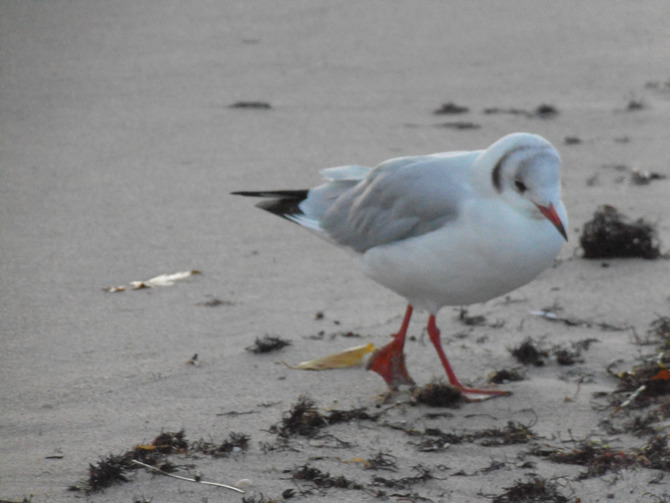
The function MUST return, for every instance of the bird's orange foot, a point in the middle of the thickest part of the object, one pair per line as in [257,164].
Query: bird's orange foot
[389,362]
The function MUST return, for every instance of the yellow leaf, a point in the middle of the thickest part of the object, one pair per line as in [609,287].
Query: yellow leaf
[360,460]
[347,358]
[145,447]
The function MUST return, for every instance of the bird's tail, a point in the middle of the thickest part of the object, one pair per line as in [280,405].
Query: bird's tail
[284,203]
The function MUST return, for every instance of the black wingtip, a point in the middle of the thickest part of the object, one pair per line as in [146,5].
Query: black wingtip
[277,194]
[279,202]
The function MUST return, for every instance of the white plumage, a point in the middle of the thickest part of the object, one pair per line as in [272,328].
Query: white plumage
[453,228]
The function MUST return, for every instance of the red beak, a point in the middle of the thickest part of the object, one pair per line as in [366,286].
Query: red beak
[552,216]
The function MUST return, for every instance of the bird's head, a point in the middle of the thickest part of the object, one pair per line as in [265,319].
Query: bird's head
[525,171]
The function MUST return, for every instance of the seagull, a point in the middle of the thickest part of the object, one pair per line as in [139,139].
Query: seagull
[447,229]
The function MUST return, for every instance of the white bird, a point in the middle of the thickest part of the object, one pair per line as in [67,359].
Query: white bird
[446,229]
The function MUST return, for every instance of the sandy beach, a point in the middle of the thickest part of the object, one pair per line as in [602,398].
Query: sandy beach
[120,144]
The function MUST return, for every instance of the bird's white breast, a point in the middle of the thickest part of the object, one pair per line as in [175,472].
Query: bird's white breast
[489,250]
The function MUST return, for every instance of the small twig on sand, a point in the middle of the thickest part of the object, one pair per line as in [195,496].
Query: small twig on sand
[577,322]
[632,397]
[153,468]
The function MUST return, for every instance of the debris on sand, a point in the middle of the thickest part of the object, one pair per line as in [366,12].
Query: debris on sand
[542,111]
[513,433]
[423,475]
[161,280]
[215,302]
[660,328]
[304,419]
[645,383]
[347,358]
[114,469]
[545,111]
[535,489]
[382,461]
[438,394]
[598,459]
[550,315]
[635,105]
[608,235]
[504,376]
[462,125]
[471,321]
[322,479]
[267,344]
[451,109]
[477,320]
[252,105]
[638,177]
[529,353]
[236,442]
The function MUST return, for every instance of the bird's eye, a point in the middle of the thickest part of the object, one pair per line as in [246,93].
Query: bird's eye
[520,186]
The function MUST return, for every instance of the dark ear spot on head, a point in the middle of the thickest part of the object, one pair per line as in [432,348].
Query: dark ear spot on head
[496,175]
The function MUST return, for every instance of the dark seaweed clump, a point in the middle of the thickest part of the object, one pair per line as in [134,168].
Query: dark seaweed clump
[267,344]
[304,419]
[322,479]
[609,235]
[451,109]
[534,490]
[114,469]
[506,375]
[252,105]
[529,353]
[513,433]
[437,394]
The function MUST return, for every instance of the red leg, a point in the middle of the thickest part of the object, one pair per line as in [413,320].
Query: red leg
[434,334]
[389,361]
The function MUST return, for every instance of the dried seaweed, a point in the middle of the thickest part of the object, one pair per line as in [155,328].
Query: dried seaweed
[252,105]
[542,111]
[506,375]
[107,472]
[529,353]
[259,498]
[512,433]
[382,461]
[638,177]
[267,344]
[451,109]
[434,439]
[660,328]
[609,235]
[423,475]
[596,458]
[114,469]
[236,442]
[534,490]
[171,442]
[656,453]
[344,416]
[438,394]
[471,321]
[303,419]
[462,125]
[322,479]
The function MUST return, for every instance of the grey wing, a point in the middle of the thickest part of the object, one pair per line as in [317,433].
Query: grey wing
[400,199]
